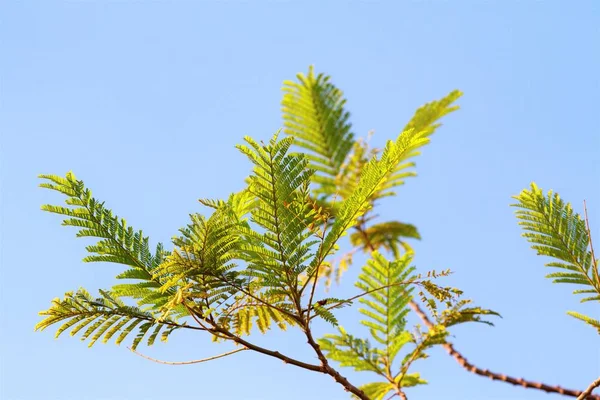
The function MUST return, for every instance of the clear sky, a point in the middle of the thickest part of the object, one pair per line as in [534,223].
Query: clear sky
[145,101]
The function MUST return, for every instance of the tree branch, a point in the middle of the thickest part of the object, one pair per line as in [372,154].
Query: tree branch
[463,362]
[268,352]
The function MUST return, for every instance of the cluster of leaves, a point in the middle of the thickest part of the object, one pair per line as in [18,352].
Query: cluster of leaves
[257,258]
[385,312]
[556,231]
[118,243]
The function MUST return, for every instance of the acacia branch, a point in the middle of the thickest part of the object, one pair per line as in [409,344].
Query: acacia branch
[218,331]
[323,368]
[187,362]
[463,362]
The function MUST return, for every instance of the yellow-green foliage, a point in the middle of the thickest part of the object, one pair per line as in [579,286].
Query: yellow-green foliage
[255,259]
[556,231]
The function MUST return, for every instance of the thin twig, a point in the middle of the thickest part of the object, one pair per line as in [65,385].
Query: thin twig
[413,357]
[586,394]
[187,362]
[321,258]
[397,384]
[314,286]
[348,300]
[589,232]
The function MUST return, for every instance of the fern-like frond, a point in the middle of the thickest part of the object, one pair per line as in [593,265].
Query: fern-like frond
[425,122]
[385,306]
[205,260]
[239,203]
[314,114]
[119,243]
[374,175]
[590,321]
[556,231]
[348,175]
[103,318]
[427,116]
[280,181]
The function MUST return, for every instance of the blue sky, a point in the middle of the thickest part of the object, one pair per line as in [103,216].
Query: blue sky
[145,101]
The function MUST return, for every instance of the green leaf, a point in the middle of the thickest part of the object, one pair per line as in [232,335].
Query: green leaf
[314,114]
[386,304]
[118,242]
[376,390]
[556,231]
[410,380]
[280,181]
[103,316]
[374,175]
[590,321]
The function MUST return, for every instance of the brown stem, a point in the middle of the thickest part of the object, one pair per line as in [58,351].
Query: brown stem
[323,368]
[275,354]
[225,334]
[397,388]
[587,393]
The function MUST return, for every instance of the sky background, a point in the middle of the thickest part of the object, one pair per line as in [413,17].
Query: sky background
[145,101]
